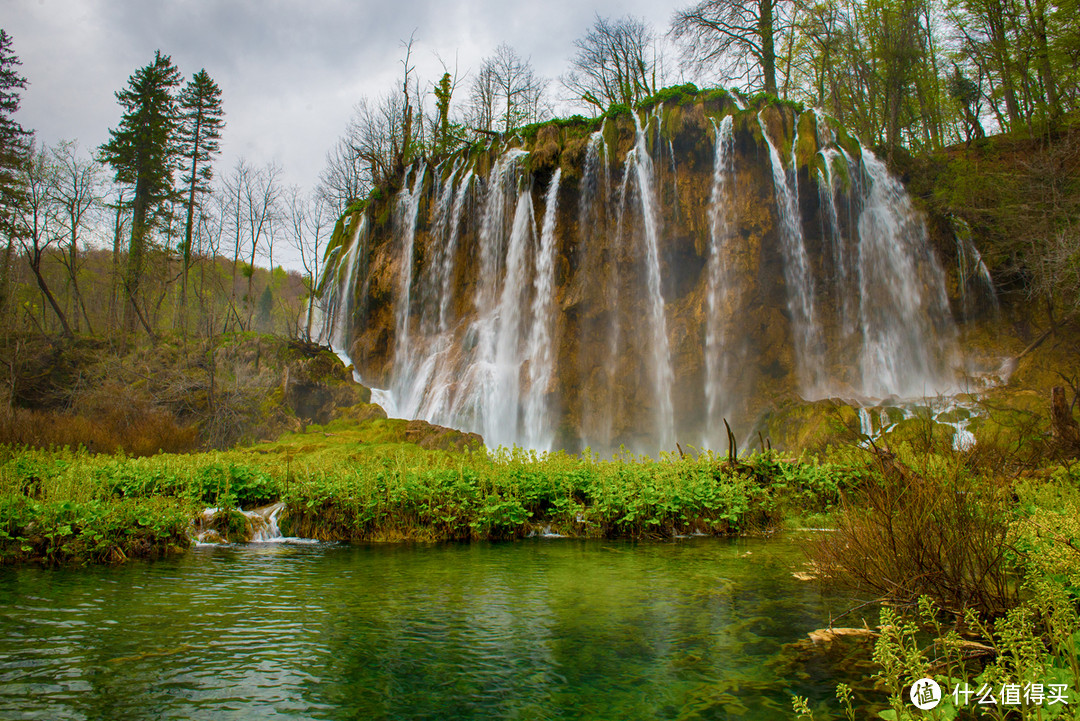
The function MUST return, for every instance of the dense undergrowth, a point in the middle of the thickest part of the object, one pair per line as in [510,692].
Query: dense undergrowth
[355,482]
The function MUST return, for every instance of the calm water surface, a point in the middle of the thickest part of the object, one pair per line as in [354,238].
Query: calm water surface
[552,629]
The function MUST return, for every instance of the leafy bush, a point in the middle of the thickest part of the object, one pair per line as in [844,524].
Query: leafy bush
[91,532]
[229,485]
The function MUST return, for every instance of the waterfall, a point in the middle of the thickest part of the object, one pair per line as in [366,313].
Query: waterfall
[720,281]
[974,280]
[511,325]
[409,206]
[593,222]
[846,294]
[800,285]
[540,353]
[908,334]
[434,279]
[446,292]
[663,376]
[342,303]
[502,192]
[502,397]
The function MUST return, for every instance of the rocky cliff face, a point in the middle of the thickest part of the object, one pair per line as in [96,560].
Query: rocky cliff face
[640,280]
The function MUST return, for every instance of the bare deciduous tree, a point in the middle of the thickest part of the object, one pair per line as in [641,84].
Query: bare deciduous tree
[506,93]
[374,135]
[738,36]
[616,62]
[36,223]
[310,222]
[344,178]
[77,192]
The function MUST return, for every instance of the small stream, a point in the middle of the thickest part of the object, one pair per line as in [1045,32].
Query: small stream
[537,629]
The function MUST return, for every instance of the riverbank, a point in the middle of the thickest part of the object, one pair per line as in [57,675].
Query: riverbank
[368,481]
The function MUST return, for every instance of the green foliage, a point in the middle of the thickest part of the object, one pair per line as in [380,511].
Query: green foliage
[1036,640]
[265,307]
[616,110]
[581,124]
[199,131]
[142,149]
[14,140]
[363,483]
[91,531]
[674,94]
[233,485]
[763,99]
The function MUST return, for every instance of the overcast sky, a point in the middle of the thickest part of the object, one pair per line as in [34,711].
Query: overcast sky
[290,70]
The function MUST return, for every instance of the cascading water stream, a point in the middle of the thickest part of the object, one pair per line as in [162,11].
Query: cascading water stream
[499,206]
[343,300]
[593,223]
[409,205]
[845,290]
[720,281]
[540,351]
[800,285]
[502,400]
[446,291]
[974,280]
[663,376]
[908,331]
[433,279]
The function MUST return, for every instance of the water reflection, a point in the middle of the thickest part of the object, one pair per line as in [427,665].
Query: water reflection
[531,630]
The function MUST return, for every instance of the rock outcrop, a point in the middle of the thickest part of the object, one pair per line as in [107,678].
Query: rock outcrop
[637,280]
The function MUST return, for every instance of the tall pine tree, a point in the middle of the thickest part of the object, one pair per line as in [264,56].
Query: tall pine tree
[201,122]
[14,150]
[142,152]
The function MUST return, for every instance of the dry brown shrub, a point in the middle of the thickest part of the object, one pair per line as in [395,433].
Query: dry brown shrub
[906,533]
[43,429]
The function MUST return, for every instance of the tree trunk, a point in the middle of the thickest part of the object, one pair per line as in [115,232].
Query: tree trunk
[1062,423]
[995,17]
[5,279]
[190,218]
[35,266]
[133,274]
[768,52]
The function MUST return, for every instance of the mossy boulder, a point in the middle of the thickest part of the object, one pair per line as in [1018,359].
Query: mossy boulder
[315,384]
[362,412]
[920,432]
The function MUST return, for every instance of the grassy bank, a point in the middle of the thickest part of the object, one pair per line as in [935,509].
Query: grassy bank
[363,481]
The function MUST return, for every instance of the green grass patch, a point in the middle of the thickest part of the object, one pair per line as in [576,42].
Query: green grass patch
[362,481]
